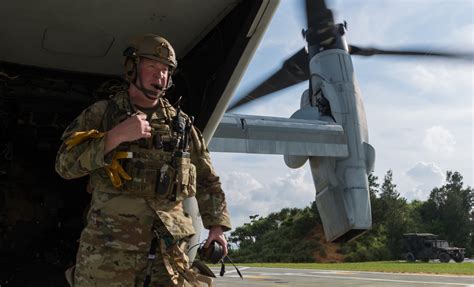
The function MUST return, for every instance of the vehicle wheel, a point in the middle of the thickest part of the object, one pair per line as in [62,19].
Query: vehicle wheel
[444,257]
[459,258]
[410,257]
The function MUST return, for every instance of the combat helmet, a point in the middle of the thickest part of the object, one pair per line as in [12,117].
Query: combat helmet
[149,46]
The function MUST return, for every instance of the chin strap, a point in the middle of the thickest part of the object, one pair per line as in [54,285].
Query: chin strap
[150,94]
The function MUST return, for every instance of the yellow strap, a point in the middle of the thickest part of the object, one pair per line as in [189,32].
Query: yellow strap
[115,171]
[80,137]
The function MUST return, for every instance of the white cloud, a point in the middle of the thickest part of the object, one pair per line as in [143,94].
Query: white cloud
[460,34]
[426,172]
[437,81]
[425,177]
[440,140]
[243,182]
[241,190]
[247,196]
[372,30]
[295,188]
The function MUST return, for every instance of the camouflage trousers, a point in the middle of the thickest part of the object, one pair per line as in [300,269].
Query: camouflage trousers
[105,266]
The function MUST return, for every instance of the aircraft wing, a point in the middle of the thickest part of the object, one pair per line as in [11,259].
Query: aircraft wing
[273,135]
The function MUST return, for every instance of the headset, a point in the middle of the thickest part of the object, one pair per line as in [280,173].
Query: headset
[132,61]
[214,253]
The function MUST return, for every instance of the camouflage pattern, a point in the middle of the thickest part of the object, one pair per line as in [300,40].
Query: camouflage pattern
[103,266]
[121,219]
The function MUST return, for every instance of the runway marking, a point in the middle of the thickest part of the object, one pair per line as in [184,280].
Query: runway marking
[371,272]
[360,278]
[241,269]
[342,272]
[256,277]
[408,274]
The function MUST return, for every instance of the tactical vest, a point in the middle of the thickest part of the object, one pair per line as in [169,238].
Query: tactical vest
[160,166]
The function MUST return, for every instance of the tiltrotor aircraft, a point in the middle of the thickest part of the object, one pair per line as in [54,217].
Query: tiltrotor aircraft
[58,57]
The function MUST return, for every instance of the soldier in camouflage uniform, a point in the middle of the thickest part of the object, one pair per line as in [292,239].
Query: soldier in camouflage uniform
[144,157]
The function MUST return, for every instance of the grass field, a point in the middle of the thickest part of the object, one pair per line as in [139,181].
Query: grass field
[466,268]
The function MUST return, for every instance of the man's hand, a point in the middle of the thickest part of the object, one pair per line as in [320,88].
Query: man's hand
[216,233]
[131,129]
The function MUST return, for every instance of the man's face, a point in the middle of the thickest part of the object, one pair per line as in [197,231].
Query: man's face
[154,74]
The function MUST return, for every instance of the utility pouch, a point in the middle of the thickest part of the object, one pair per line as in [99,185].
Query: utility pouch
[143,179]
[192,181]
[185,176]
[136,171]
[149,184]
[166,182]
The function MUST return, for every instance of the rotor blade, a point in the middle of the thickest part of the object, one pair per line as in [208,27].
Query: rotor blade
[320,32]
[318,13]
[369,51]
[293,71]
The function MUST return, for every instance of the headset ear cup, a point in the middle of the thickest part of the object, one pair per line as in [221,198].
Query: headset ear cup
[211,254]
[130,69]
[217,252]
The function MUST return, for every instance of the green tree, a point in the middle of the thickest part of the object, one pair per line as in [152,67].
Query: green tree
[395,218]
[373,185]
[377,211]
[415,220]
[449,212]
[284,236]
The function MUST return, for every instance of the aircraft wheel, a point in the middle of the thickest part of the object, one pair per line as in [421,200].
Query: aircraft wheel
[444,257]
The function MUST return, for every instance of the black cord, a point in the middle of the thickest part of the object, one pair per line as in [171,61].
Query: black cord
[200,243]
[237,269]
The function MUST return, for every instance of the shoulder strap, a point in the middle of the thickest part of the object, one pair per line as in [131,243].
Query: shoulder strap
[118,109]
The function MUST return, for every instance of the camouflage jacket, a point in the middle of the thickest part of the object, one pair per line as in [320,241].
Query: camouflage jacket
[123,217]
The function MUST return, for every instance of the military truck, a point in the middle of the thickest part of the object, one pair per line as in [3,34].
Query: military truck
[426,246]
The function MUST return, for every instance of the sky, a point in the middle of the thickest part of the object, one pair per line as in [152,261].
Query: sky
[419,110]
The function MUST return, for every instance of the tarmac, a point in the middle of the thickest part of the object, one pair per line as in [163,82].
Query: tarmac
[257,276]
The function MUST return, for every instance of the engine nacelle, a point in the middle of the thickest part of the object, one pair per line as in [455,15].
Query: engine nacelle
[342,183]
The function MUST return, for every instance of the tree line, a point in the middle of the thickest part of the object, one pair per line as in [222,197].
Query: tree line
[294,234]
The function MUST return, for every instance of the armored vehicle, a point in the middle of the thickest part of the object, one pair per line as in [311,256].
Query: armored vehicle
[426,246]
